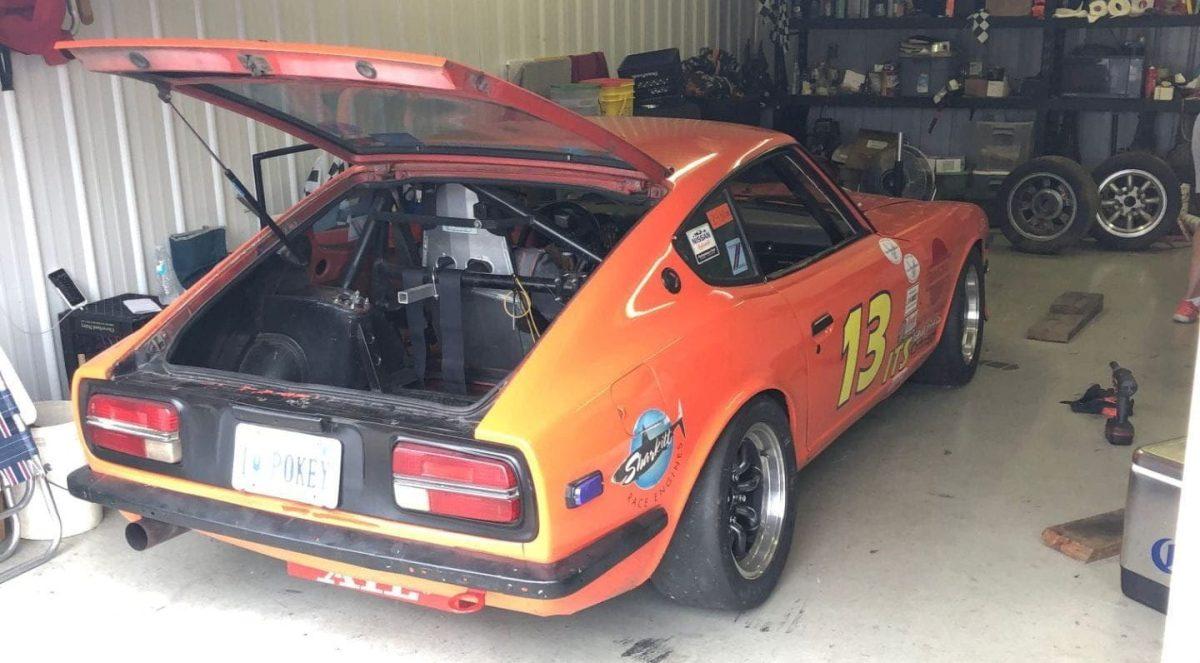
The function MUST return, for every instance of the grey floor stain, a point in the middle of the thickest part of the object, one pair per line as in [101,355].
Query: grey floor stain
[648,650]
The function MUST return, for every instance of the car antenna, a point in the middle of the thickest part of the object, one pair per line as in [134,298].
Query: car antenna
[243,194]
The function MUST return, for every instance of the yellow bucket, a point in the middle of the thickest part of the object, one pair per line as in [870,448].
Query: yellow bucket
[616,95]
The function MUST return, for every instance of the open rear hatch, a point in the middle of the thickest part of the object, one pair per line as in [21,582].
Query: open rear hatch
[345,362]
[366,105]
[435,288]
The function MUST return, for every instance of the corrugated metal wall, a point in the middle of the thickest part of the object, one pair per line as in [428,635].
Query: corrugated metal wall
[95,175]
[1019,52]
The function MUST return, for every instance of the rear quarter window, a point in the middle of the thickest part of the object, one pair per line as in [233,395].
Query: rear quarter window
[712,243]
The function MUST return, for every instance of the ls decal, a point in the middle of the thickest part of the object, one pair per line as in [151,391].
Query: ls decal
[879,316]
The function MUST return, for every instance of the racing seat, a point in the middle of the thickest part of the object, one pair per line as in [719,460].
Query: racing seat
[20,467]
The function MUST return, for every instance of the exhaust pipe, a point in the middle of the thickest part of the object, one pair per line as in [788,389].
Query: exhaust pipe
[146,533]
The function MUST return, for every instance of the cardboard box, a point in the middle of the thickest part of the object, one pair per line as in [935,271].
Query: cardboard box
[981,87]
[1009,7]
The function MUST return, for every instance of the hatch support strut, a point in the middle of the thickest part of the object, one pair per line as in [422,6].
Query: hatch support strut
[243,194]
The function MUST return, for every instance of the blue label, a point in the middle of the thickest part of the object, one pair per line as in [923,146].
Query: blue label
[1162,553]
[649,451]
[737,256]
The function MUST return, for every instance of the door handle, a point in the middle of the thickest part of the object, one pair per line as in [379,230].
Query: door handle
[821,324]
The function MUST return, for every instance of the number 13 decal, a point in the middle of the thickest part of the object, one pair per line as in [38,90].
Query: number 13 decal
[879,314]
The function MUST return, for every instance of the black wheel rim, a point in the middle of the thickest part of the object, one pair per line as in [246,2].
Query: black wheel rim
[757,498]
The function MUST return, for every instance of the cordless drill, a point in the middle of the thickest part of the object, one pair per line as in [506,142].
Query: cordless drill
[1118,430]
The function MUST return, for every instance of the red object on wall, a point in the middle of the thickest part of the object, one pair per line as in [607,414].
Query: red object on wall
[32,27]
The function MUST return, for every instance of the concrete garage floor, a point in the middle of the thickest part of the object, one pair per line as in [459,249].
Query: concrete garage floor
[917,538]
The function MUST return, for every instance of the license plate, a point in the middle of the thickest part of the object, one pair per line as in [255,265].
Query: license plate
[287,464]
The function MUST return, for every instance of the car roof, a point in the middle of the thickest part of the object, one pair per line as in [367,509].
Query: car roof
[676,143]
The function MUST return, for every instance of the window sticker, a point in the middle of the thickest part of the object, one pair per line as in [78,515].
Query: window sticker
[719,215]
[704,245]
[737,256]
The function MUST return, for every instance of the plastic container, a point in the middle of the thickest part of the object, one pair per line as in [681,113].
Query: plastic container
[657,76]
[1000,146]
[165,273]
[583,98]
[58,445]
[616,95]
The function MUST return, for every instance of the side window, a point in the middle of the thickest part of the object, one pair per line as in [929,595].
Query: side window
[787,217]
[713,245]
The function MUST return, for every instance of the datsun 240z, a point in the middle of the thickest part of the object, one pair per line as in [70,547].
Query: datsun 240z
[512,356]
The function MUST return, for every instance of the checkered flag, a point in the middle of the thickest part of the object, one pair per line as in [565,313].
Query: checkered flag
[778,13]
[979,25]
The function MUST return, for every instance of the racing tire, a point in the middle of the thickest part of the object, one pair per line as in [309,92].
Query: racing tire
[1046,205]
[1139,201]
[956,357]
[717,559]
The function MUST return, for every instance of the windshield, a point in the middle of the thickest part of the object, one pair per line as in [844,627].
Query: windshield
[375,120]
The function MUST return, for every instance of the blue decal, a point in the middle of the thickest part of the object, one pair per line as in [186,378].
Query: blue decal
[737,256]
[1162,553]
[649,451]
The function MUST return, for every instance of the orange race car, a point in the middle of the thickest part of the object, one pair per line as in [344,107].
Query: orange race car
[513,356]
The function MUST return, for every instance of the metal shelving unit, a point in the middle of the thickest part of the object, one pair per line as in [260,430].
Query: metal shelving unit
[1053,47]
[1000,22]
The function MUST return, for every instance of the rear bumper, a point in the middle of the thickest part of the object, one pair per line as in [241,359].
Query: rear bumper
[363,549]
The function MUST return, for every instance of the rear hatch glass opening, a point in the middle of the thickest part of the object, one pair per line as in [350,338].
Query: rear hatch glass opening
[370,119]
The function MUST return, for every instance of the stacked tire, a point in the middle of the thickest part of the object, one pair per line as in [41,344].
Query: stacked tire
[1139,201]
[1050,203]
[1047,204]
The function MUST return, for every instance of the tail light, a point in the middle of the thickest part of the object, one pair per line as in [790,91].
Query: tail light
[134,426]
[456,484]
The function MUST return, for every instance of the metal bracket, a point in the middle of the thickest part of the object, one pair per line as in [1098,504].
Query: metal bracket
[417,293]
[257,65]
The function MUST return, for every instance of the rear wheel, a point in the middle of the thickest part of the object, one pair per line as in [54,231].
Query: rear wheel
[733,539]
[956,357]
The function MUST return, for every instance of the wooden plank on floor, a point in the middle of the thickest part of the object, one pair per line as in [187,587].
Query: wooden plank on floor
[1068,314]
[1088,539]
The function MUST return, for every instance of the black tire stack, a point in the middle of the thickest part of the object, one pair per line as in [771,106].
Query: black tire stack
[1046,205]
[1127,203]
[1139,201]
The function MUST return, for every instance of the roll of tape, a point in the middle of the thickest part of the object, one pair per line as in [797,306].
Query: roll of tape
[1097,9]
[1119,7]
[1139,7]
